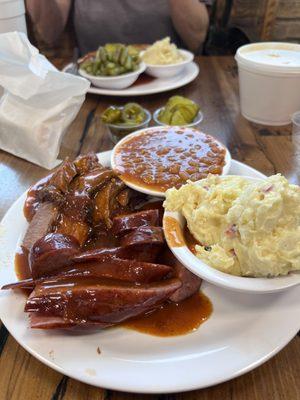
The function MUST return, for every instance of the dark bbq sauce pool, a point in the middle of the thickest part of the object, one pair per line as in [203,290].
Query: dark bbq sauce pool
[173,319]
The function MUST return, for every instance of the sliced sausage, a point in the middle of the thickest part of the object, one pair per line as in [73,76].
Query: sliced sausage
[88,301]
[24,284]
[41,321]
[126,223]
[143,235]
[143,252]
[118,269]
[52,252]
[99,254]
[190,282]
[111,268]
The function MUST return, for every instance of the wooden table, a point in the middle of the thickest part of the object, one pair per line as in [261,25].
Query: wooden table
[270,150]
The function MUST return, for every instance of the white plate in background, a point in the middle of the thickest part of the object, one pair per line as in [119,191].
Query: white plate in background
[156,85]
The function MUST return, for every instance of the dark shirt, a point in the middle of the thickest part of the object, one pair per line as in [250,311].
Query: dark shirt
[128,21]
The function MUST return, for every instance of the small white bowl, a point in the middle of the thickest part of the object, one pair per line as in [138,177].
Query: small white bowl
[144,189]
[214,276]
[118,132]
[168,70]
[114,82]
[197,119]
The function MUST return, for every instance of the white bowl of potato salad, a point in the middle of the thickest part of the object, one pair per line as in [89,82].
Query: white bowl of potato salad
[163,59]
[245,231]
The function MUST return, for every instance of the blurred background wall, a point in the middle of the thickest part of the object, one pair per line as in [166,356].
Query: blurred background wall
[277,20]
[259,20]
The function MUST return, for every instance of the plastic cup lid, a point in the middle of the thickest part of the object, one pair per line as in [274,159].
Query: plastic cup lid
[270,57]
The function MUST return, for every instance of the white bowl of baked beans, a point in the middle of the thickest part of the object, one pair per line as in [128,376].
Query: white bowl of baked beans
[155,159]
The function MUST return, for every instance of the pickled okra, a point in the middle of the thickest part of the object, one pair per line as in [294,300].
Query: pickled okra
[111,60]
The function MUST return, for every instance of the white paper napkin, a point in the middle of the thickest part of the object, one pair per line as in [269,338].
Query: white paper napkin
[38,104]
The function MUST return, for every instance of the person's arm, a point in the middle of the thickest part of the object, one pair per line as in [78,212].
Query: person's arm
[49,17]
[190,19]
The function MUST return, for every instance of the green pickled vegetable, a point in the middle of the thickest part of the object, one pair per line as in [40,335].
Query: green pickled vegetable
[111,60]
[178,111]
[111,115]
[129,115]
[133,113]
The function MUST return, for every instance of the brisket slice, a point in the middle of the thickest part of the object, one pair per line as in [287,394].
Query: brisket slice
[41,224]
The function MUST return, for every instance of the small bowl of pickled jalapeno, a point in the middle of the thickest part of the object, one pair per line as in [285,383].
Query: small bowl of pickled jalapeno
[124,120]
[178,111]
[113,66]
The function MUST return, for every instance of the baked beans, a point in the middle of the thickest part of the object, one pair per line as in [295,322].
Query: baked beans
[163,158]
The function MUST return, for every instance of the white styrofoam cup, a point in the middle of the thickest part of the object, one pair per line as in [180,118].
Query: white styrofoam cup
[269,79]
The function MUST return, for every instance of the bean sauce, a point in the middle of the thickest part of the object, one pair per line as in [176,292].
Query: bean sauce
[161,159]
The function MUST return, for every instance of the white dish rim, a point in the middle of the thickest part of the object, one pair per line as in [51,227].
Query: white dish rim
[157,193]
[140,70]
[164,86]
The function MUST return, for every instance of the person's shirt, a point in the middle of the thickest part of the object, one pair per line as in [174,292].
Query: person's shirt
[140,21]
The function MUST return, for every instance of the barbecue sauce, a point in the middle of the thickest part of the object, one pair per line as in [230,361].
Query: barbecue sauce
[190,241]
[173,232]
[173,319]
[22,268]
[176,236]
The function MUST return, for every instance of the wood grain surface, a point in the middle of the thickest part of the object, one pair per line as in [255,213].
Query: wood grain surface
[269,149]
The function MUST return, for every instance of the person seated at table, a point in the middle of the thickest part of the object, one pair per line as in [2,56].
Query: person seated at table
[97,22]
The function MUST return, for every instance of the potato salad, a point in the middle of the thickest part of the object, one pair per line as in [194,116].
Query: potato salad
[244,228]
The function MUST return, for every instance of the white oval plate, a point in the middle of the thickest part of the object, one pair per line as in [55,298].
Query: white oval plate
[144,189]
[243,332]
[158,85]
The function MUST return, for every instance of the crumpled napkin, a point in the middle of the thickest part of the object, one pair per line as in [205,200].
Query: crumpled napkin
[38,103]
